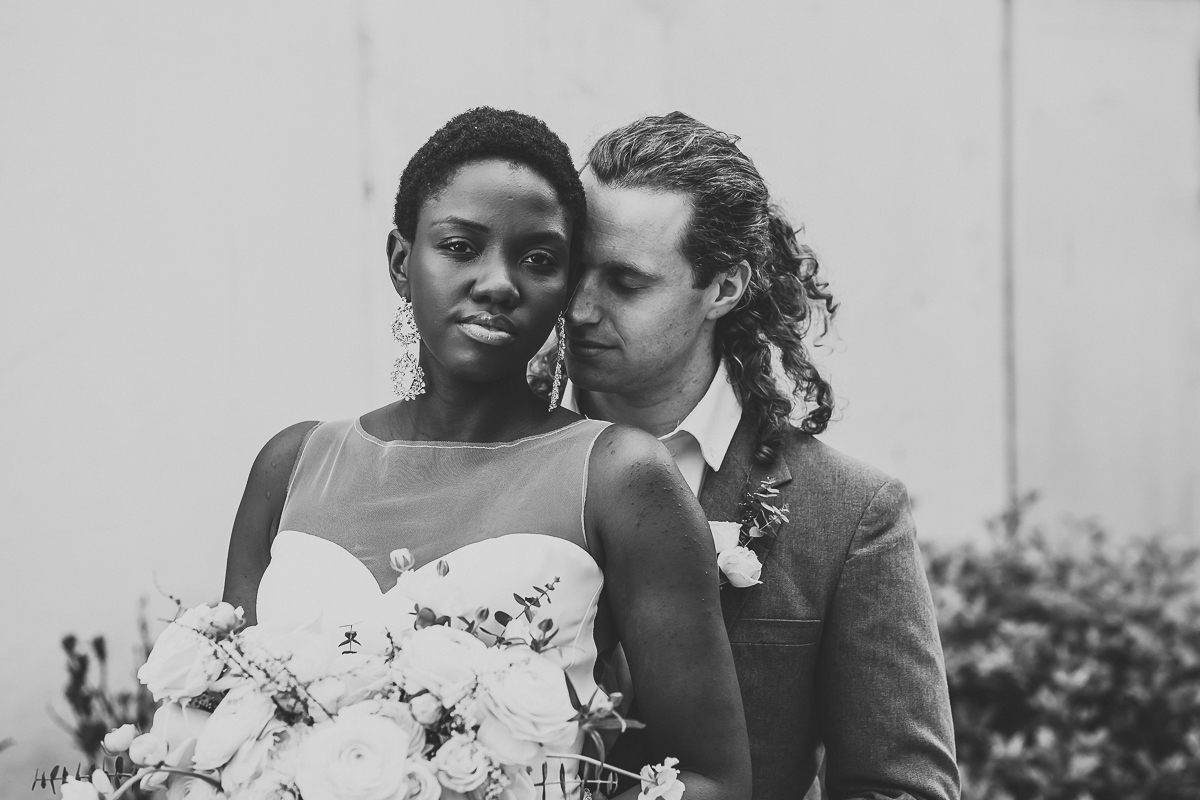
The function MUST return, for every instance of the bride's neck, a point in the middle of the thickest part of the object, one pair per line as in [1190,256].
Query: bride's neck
[461,411]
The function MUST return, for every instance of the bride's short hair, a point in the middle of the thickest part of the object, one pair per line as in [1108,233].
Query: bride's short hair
[484,133]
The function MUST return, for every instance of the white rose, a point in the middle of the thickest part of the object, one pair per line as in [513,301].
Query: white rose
[402,559]
[445,595]
[184,661]
[79,790]
[426,709]
[226,618]
[437,657]
[176,724]
[250,760]
[148,749]
[101,783]
[186,787]
[397,712]
[240,716]
[741,566]
[661,782]
[461,764]
[118,739]
[364,676]
[306,651]
[520,785]
[725,535]
[529,700]
[360,757]
[423,782]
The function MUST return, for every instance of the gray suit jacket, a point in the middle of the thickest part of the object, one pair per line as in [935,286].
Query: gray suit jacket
[839,644]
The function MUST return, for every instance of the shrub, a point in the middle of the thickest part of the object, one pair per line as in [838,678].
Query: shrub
[1073,663]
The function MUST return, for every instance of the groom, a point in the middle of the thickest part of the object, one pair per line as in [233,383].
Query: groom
[690,278]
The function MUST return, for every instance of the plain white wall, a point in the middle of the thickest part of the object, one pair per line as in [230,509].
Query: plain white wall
[194,200]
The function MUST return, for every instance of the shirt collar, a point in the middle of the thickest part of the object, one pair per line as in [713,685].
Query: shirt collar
[711,423]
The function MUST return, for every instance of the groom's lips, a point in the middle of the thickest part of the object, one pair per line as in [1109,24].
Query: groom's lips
[585,348]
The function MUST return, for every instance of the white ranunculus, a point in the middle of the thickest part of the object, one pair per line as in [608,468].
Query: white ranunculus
[436,657]
[725,535]
[149,748]
[661,782]
[240,716]
[741,566]
[118,739]
[360,757]
[422,781]
[530,702]
[398,713]
[176,724]
[184,661]
[186,787]
[461,764]
[79,790]
[426,709]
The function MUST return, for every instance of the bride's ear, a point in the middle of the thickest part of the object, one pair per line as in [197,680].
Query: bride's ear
[398,249]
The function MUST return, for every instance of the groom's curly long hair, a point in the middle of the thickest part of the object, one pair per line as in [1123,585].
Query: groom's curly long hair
[734,220]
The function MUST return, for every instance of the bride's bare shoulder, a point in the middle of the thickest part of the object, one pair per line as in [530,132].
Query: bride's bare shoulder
[631,467]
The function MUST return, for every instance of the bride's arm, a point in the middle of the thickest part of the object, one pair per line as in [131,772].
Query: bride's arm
[660,572]
[257,518]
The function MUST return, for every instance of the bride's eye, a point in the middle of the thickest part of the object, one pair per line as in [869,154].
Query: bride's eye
[458,247]
[542,261]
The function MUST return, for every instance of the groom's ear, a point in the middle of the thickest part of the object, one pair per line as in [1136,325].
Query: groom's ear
[730,287]
[398,250]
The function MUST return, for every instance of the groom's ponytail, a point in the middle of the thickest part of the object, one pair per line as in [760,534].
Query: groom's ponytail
[734,220]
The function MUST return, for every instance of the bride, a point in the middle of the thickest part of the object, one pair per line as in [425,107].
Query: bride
[470,471]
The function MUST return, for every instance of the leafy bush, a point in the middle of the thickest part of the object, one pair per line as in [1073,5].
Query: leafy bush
[1074,664]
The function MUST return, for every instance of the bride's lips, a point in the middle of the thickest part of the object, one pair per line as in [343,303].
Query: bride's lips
[488,328]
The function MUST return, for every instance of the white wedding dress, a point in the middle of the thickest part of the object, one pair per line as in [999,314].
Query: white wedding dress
[505,518]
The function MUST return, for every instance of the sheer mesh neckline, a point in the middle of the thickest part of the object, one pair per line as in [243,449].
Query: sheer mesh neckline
[358,428]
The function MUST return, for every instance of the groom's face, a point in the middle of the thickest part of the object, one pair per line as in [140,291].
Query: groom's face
[635,320]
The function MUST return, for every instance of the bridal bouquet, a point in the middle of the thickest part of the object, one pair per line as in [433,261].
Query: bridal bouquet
[444,705]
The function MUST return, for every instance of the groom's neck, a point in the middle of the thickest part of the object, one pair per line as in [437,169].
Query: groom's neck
[657,409]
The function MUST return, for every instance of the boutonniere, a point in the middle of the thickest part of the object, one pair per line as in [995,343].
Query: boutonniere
[760,514]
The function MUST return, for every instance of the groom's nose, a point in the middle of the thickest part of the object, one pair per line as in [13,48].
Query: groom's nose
[583,308]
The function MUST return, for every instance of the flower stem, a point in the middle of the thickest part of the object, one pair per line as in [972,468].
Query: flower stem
[144,771]
[595,762]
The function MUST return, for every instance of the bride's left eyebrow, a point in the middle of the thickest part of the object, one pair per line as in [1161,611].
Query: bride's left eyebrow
[462,222]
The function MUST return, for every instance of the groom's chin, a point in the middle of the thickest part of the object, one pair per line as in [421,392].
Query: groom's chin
[589,373]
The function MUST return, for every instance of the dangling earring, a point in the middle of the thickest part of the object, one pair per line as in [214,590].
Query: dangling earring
[408,379]
[556,387]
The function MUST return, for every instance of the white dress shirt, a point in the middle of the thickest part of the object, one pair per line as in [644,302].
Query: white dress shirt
[703,438]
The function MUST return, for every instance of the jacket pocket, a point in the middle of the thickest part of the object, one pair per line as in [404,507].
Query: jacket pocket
[789,632]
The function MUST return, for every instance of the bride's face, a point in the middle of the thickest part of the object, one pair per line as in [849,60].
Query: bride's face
[487,269]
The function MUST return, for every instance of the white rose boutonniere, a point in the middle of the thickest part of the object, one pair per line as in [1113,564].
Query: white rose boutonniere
[741,566]
[761,515]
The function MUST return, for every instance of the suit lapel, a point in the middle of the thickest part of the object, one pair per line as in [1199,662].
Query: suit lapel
[722,495]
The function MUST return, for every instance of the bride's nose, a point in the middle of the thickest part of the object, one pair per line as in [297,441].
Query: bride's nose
[494,284]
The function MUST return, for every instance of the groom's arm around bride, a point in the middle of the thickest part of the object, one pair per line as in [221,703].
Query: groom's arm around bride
[691,279]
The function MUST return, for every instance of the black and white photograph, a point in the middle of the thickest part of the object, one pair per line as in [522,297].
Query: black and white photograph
[638,400]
